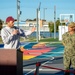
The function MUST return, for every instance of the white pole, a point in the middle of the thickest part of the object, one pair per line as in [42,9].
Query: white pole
[39,18]
[39,23]
[37,32]
[54,22]
[18,12]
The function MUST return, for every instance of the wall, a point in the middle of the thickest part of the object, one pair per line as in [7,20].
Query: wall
[62,30]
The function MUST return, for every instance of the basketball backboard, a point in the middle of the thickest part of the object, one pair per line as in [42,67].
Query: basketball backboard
[66,18]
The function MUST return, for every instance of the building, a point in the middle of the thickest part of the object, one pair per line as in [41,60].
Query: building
[43,24]
[28,24]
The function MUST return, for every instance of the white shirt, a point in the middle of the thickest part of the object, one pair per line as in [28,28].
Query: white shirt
[12,41]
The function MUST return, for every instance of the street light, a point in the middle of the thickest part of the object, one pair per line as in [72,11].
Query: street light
[54,22]
[18,12]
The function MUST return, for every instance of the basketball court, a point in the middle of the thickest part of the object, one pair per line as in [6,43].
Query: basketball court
[52,58]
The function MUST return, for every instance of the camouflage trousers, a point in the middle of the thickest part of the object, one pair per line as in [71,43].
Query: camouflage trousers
[69,61]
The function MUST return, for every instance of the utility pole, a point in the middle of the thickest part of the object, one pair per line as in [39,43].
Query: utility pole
[39,18]
[18,12]
[54,22]
[37,32]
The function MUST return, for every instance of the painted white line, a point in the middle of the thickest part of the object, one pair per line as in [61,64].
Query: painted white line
[30,71]
[40,70]
[35,68]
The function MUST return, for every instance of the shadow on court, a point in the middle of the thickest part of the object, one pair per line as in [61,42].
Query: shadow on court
[58,73]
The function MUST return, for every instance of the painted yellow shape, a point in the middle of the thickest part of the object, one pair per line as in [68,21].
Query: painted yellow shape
[41,43]
[27,57]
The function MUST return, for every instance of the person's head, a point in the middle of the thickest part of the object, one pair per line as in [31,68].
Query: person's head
[71,27]
[10,21]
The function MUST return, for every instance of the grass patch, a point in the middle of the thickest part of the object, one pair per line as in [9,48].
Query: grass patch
[32,39]
[49,40]
[1,42]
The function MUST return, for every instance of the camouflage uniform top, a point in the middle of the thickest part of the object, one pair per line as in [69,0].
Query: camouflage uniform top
[69,43]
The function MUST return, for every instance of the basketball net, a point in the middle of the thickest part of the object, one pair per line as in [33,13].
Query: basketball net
[66,21]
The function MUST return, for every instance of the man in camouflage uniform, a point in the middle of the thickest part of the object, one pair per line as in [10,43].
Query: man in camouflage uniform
[68,40]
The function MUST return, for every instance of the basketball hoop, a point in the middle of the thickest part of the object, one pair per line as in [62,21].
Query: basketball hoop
[66,18]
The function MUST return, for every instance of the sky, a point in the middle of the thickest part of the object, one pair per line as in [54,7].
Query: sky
[29,8]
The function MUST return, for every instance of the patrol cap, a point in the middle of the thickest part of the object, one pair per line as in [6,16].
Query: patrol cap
[72,24]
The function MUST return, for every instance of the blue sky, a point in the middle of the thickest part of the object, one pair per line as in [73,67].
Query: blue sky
[28,8]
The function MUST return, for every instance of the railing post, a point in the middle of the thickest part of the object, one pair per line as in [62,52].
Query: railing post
[37,68]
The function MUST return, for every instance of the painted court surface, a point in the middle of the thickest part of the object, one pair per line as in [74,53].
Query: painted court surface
[47,55]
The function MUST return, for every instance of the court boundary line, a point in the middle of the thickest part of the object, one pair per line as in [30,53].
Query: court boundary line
[35,68]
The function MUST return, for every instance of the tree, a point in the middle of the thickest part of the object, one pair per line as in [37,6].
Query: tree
[34,19]
[51,27]
[57,24]
[28,20]
[1,23]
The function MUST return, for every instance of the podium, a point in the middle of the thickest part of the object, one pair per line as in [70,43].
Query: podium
[11,62]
